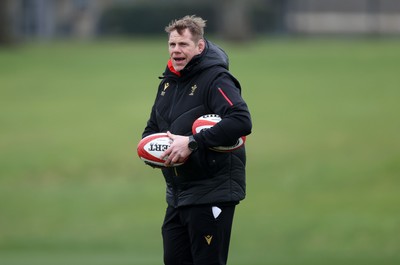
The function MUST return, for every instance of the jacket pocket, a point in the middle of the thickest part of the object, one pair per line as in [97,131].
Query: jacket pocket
[218,162]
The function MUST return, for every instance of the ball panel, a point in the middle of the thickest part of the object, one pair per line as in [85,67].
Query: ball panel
[210,117]
[205,122]
[237,145]
[151,147]
[152,162]
[199,127]
[155,147]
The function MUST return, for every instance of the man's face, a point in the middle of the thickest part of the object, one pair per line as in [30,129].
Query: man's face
[182,48]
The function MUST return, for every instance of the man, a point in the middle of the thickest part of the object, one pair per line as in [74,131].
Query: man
[203,192]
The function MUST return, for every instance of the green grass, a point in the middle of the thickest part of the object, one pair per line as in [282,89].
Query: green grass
[323,159]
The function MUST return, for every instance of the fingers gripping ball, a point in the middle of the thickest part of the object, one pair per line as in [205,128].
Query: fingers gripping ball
[151,147]
[207,121]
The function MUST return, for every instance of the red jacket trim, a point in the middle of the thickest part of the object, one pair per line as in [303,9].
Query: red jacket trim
[172,69]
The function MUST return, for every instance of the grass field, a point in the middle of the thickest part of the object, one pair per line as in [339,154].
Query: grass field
[323,159]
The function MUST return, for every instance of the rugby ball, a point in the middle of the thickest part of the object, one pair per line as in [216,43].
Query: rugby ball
[151,147]
[207,121]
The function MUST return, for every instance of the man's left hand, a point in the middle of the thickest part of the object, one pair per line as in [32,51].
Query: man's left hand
[178,152]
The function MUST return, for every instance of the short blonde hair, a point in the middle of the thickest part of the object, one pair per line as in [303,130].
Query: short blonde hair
[194,24]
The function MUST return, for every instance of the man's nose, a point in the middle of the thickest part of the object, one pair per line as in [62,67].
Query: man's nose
[176,49]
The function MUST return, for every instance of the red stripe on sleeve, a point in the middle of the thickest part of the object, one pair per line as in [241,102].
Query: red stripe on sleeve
[225,96]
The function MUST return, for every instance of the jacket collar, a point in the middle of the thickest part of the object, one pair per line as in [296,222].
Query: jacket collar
[172,69]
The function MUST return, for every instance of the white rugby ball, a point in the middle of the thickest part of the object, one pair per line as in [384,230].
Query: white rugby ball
[209,120]
[151,147]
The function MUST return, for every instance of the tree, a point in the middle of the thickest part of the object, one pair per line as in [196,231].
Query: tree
[5,34]
[234,23]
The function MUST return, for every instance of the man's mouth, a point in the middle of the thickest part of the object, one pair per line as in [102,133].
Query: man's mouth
[179,59]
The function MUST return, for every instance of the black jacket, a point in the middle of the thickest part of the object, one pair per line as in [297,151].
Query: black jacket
[204,86]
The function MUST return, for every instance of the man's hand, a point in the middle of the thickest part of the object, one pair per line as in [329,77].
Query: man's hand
[179,151]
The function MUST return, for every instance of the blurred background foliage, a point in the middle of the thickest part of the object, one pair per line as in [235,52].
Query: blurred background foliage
[229,19]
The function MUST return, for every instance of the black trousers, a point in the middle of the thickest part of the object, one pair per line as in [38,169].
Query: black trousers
[197,235]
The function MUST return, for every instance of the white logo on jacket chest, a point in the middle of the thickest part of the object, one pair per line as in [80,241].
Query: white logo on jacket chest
[166,85]
[193,89]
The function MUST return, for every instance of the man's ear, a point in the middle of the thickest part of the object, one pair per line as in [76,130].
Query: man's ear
[201,45]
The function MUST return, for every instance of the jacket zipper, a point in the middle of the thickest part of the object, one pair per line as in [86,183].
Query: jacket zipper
[174,186]
[173,102]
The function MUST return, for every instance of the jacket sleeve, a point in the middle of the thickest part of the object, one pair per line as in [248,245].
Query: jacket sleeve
[225,99]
